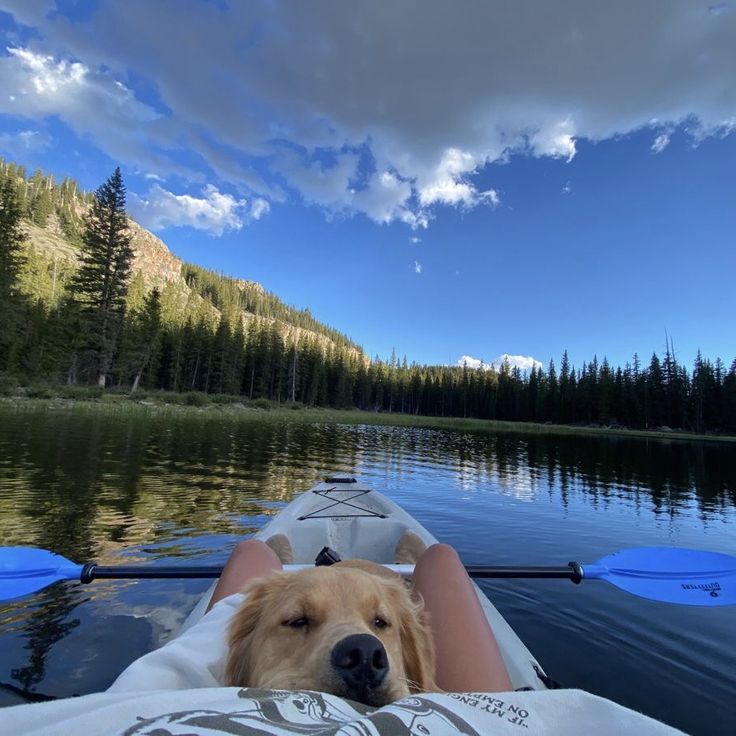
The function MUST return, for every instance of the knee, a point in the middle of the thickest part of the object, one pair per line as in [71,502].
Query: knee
[440,554]
[250,548]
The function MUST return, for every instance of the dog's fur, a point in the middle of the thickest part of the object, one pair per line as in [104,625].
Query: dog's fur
[337,601]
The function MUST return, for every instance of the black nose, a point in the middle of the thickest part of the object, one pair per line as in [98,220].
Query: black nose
[361,662]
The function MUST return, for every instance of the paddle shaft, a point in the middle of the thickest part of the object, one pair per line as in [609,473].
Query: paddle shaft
[91,572]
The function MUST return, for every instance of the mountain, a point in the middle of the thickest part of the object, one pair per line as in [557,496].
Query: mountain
[53,223]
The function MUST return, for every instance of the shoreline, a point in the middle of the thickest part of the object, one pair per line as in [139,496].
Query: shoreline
[213,407]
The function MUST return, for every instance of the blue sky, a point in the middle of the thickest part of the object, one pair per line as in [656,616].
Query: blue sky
[445,180]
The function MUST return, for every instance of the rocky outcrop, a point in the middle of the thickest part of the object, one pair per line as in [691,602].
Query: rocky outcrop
[157,264]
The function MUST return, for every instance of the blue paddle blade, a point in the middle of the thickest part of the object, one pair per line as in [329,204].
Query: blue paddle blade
[671,575]
[25,570]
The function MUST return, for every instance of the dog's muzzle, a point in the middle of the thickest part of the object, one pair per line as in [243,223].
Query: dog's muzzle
[361,663]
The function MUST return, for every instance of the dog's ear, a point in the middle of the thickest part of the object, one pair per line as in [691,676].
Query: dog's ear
[417,647]
[238,667]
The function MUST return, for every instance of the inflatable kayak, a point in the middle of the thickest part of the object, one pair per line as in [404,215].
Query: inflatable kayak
[358,522]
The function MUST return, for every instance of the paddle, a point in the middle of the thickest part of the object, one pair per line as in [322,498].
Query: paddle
[664,574]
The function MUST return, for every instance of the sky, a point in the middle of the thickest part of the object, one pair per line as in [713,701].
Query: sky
[452,181]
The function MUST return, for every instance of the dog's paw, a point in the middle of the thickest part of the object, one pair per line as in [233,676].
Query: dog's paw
[409,549]
[281,545]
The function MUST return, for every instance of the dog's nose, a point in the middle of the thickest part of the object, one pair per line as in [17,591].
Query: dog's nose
[361,662]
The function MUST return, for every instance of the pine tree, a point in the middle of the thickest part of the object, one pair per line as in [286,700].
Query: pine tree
[655,393]
[11,262]
[729,399]
[148,334]
[101,284]
[564,384]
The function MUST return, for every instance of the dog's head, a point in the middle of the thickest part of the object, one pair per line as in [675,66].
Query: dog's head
[343,630]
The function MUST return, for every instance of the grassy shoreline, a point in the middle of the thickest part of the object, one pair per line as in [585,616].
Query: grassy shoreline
[232,407]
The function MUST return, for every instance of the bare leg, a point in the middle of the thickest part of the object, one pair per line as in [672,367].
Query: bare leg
[468,657]
[249,560]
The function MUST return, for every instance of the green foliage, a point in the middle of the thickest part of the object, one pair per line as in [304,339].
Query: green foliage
[43,278]
[39,391]
[12,304]
[232,297]
[9,385]
[80,393]
[196,398]
[11,237]
[261,404]
[100,286]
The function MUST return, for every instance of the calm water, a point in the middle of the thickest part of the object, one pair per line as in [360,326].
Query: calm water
[125,490]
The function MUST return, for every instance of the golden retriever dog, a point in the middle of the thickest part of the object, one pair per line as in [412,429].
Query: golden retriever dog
[350,629]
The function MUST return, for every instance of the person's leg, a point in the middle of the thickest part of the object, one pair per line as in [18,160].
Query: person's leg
[468,657]
[250,559]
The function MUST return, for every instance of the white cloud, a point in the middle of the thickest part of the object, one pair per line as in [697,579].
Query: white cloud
[523,362]
[432,95]
[25,141]
[414,239]
[567,188]
[384,198]
[94,104]
[215,212]
[472,362]
[556,140]
[661,142]
[258,208]
[417,267]
[448,184]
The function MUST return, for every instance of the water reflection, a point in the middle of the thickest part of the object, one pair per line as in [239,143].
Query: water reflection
[159,488]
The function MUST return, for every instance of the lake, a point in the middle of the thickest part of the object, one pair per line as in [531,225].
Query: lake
[167,488]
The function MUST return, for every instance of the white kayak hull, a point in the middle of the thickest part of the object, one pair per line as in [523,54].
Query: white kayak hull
[357,522]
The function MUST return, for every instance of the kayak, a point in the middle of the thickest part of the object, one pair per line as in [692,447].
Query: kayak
[357,522]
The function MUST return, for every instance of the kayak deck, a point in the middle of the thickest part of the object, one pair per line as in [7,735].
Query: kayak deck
[358,522]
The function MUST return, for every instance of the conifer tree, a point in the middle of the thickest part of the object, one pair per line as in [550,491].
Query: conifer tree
[101,284]
[147,348]
[11,261]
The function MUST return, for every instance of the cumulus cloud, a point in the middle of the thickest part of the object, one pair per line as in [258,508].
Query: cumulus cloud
[431,94]
[94,104]
[522,362]
[414,239]
[214,212]
[661,142]
[417,267]
[471,362]
[449,184]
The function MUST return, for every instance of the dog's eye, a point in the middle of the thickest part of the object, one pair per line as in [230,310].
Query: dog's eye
[297,623]
[380,623]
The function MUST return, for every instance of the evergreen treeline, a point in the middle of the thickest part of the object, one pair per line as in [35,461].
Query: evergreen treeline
[104,328]
[39,196]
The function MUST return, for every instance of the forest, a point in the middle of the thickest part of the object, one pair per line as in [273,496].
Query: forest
[92,321]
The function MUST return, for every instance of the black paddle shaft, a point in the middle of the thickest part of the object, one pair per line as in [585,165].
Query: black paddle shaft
[573,571]
[92,572]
